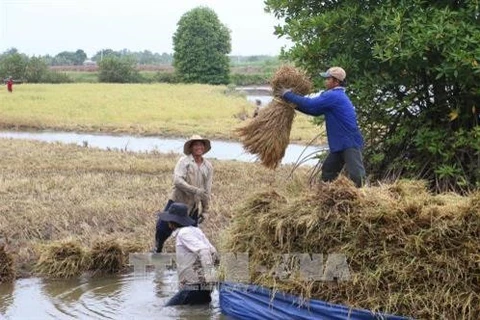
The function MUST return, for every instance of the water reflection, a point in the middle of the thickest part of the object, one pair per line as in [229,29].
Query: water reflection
[6,297]
[108,297]
[222,150]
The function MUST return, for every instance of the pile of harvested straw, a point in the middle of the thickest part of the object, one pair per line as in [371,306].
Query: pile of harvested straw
[62,260]
[408,252]
[268,134]
[7,269]
[107,257]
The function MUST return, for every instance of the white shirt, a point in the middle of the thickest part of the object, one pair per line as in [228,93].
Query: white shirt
[194,255]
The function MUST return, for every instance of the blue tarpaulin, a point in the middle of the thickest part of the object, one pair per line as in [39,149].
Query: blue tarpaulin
[242,301]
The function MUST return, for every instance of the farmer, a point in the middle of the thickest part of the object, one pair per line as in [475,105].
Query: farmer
[344,138]
[195,257]
[10,84]
[192,185]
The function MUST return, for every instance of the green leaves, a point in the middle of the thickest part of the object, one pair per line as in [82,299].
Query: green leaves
[201,45]
[409,65]
[118,69]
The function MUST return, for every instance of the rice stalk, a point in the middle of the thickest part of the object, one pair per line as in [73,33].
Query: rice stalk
[268,134]
[107,256]
[62,259]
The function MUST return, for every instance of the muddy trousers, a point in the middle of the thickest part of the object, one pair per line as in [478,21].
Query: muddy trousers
[162,231]
[351,158]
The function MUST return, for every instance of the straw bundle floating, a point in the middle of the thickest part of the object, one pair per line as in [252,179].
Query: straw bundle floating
[7,268]
[107,257]
[62,260]
[268,134]
[415,255]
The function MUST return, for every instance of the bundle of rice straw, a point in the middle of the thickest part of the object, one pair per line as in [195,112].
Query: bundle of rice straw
[107,256]
[62,260]
[268,134]
[7,270]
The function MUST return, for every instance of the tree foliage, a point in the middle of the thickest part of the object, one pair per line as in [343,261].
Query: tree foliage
[13,63]
[201,47]
[118,69]
[27,69]
[36,70]
[68,58]
[413,68]
[145,57]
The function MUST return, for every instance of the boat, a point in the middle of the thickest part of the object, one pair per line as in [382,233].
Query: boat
[250,302]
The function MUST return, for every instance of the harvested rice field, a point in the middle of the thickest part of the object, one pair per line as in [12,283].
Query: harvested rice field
[66,210]
[56,199]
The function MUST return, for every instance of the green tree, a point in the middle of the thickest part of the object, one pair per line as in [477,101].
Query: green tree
[64,58]
[413,68]
[79,57]
[118,69]
[13,63]
[70,58]
[23,68]
[100,55]
[201,47]
[36,70]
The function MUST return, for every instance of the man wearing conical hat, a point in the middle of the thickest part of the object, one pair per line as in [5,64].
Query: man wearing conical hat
[192,185]
[195,258]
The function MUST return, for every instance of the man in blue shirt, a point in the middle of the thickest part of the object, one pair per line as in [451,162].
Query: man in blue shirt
[344,138]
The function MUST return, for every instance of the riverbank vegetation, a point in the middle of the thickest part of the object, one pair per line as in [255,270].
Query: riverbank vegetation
[145,109]
[141,67]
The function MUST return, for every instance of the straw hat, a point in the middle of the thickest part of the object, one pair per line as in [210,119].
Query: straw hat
[186,147]
[177,212]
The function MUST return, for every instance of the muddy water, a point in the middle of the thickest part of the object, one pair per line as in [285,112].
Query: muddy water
[130,296]
[221,150]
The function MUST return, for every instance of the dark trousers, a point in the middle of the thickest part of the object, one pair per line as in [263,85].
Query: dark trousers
[190,297]
[350,158]
[162,230]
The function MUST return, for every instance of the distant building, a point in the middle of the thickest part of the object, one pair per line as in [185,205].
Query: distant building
[89,63]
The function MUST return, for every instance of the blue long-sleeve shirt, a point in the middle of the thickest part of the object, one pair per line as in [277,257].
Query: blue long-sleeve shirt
[340,116]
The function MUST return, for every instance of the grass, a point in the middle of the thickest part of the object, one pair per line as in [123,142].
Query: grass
[143,109]
[53,193]
[92,76]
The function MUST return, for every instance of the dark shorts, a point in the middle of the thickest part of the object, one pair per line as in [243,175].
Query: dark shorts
[190,297]
[351,159]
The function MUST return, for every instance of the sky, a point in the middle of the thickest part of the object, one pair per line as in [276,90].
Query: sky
[40,27]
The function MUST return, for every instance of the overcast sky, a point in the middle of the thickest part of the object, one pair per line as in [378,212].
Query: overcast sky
[39,27]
